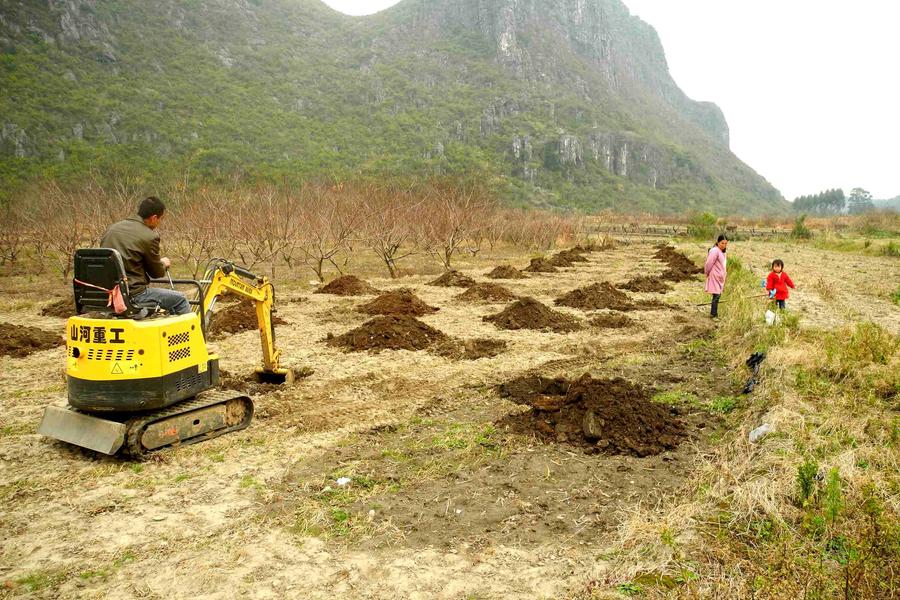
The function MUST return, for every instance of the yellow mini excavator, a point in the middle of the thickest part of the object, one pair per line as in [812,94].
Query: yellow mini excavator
[139,379]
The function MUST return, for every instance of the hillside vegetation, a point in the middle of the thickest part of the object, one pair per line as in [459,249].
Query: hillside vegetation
[554,103]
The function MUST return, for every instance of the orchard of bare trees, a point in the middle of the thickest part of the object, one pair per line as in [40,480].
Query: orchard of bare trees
[318,227]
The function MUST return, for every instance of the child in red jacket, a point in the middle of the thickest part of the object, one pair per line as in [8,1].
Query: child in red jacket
[778,283]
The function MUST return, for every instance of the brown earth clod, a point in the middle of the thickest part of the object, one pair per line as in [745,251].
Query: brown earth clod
[506,272]
[62,308]
[18,341]
[347,285]
[681,268]
[486,292]
[453,279]
[645,283]
[540,265]
[402,302]
[388,333]
[595,297]
[612,415]
[236,317]
[528,313]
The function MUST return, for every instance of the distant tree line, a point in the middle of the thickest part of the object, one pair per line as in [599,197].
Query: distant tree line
[829,202]
[834,202]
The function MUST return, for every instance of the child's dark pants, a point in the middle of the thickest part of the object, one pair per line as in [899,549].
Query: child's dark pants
[714,311]
[780,304]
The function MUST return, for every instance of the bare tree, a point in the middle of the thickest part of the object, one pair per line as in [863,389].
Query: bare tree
[329,219]
[450,216]
[389,228]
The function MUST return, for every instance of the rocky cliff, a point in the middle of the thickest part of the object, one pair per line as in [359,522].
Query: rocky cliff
[558,102]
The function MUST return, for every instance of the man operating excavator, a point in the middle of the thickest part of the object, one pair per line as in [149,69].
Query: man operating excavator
[137,242]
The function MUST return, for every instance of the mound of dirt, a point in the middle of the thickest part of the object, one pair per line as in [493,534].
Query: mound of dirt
[18,341]
[540,265]
[453,279]
[596,296]
[470,349]
[644,283]
[573,255]
[62,308]
[560,260]
[528,313]
[506,272]
[486,292]
[613,415]
[400,302]
[236,317]
[681,268]
[347,285]
[388,333]
[611,321]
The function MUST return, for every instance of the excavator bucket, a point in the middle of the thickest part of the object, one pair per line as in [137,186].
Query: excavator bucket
[276,376]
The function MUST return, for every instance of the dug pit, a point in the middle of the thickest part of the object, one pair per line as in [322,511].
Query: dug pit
[528,313]
[610,415]
[19,341]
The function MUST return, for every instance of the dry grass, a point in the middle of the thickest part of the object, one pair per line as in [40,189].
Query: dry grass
[812,510]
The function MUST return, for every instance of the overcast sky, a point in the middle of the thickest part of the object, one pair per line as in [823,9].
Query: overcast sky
[809,87]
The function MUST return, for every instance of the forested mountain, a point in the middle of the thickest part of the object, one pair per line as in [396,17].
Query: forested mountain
[554,102]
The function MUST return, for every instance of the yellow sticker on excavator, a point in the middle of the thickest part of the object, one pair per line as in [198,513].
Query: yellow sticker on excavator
[117,369]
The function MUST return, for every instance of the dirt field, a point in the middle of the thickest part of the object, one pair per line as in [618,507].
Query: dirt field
[391,474]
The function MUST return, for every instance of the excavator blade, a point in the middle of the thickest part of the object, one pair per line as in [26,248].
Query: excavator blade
[87,431]
[276,376]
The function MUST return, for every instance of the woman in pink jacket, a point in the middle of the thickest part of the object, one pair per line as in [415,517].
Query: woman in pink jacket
[715,273]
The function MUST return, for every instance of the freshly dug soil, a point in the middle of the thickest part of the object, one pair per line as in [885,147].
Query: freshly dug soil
[18,341]
[528,313]
[470,349]
[400,302]
[612,321]
[388,333]
[560,260]
[236,317]
[612,415]
[644,283]
[681,268]
[540,265]
[596,296]
[248,384]
[62,308]
[573,255]
[506,272]
[453,279]
[486,292]
[347,285]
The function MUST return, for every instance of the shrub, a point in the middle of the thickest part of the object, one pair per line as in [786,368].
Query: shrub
[702,225]
[800,230]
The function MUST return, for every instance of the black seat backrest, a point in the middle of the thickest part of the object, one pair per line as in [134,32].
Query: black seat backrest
[104,268]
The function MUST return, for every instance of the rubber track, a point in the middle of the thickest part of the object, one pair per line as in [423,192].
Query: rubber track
[138,425]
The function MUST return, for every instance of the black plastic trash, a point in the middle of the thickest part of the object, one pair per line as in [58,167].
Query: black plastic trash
[753,364]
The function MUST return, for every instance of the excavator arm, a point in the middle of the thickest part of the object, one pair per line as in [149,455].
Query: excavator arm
[221,276]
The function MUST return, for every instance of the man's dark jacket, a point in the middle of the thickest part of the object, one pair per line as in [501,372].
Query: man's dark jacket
[139,247]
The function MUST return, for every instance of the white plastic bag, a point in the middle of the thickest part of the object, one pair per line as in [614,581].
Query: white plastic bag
[770,318]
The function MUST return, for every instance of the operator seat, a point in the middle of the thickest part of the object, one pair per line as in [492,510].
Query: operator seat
[103,267]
